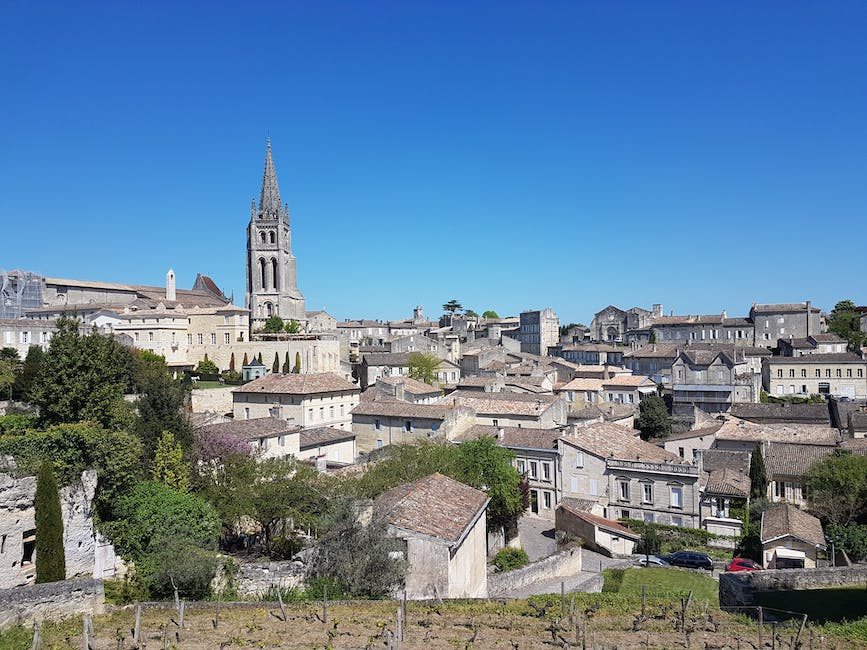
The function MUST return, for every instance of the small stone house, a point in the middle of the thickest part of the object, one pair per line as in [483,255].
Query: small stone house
[443,523]
[599,534]
[791,538]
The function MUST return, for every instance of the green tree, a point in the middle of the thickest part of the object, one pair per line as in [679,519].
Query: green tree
[357,555]
[232,362]
[469,313]
[650,542]
[168,466]
[287,367]
[758,475]
[490,313]
[84,377]
[246,361]
[292,326]
[275,367]
[50,555]
[160,404]
[207,367]
[653,338]
[423,366]
[837,487]
[273,325]
[653,419]
[8,375]
[452,306]
[845,321]
[851,538]
[297,368]
[259,357]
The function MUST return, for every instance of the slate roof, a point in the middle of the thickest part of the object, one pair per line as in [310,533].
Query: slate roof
[323,436]
[825,358]
[786,459]
[436,506]
[799,413]
[786,520]
[608,440]
[292,384]
[252,429]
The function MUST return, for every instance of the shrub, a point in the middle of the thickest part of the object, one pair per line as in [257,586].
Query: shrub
[50,556]
[511,558]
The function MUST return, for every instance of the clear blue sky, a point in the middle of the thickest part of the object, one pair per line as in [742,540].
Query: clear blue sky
[511,155]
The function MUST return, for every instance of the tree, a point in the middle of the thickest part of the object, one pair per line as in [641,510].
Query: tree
[246,361]
[273,325]
[845,321]
[423,366]
[653,419]
[28,373]
[50,555]
[293,326]
[168,466]
[160,404]
[469,313]
[837,487]
[650,542]
[232,362]
[357,555]
[275,367]
[758,475]
[207,367]
[490,313]
[8,375]
[84,377]
[259,357]
[297,368]
[287,367]
[452,306]
[652,338]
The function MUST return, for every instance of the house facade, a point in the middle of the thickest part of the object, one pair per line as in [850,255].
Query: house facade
[840,374]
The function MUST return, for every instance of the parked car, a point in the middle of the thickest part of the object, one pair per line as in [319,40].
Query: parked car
[652,560]
[743,564]
[690,560]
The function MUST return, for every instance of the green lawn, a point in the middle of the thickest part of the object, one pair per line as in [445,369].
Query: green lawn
[209,384]
[662,582]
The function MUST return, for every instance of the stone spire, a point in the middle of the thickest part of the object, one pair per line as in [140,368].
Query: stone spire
[270,205]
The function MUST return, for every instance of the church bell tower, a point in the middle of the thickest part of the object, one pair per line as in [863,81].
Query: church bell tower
[272,285]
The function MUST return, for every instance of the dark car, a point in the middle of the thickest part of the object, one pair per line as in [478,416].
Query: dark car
[690,560]
[743,564]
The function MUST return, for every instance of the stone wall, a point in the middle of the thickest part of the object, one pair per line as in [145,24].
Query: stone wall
[737,589]
[565,563]
[255,578]
[50,601]
[211,400]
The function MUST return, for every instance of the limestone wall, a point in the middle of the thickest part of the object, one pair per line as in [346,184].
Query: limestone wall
[211,400]
[254,579]
[565,563]
[50,601]
[737,589]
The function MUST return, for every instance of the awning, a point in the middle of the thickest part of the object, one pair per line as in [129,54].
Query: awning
[790,554]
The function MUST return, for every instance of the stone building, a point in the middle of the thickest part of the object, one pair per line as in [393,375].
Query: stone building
[539,330]
[712,380]
[377,424]
[311,400]
[612,323]
[18,559]
[783,321]
[791,538]
[272,288]
[443,523]
[840,374]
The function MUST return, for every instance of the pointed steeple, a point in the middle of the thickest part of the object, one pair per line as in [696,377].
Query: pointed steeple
[269,202]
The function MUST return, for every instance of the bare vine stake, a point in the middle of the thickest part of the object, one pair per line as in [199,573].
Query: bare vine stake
[136,630]
[761,616]
[800,630]
[280,602]
[572,609]
[399,626]
[562,600]
[37,640]
[325,604]
[643,598]
[85,639]
[181,614]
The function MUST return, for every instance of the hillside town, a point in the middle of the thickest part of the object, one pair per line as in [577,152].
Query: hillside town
[476,456]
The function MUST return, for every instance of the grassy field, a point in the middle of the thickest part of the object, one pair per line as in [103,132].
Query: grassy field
[601,621]
[662,582]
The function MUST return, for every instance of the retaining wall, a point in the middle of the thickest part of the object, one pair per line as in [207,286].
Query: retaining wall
[737,589]
[565,563]
[51,601]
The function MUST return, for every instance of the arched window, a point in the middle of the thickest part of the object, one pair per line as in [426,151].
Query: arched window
[274,272]
[262,284]
[262,236]
[272,237]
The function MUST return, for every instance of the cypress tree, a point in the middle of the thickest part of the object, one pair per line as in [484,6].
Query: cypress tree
[50,557]
[287,368]
[245,362]
[260,357]
[297,368]
[275,367]
[758,475]
[232,362]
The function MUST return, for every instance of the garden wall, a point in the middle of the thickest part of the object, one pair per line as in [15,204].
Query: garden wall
[51,601]
[737,589]
[565,563]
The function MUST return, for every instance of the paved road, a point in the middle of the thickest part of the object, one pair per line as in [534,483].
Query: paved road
[537,537]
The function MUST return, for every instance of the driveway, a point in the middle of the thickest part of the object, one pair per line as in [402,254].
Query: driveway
[537,537]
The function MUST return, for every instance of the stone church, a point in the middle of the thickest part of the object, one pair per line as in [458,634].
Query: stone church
[272,285]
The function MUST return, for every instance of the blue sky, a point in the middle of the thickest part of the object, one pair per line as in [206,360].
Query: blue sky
[511,155]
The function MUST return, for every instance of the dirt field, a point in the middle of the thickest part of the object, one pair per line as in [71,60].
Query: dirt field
[603,622]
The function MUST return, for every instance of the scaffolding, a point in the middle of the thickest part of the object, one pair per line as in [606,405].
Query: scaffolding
[19,291]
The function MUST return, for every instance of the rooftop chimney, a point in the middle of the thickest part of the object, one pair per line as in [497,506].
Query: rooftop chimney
[170,286]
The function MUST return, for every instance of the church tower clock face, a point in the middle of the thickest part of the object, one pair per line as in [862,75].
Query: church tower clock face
[272,287]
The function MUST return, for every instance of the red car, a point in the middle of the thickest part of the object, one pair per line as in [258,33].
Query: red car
[743,564]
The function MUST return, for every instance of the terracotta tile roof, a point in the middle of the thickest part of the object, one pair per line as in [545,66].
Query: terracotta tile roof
[436,506]
[825,358]
[630,381]
[252,429]
[727,482]
[397,408]
[689,435]
[654,351]
[782,308]
[323,436]
[292,384]
[412,386]
[796,413]
[584,383]
[608,440]
[600,522]
[786,459]
[526,438]
[785,519]
[736,430]
[503,403]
